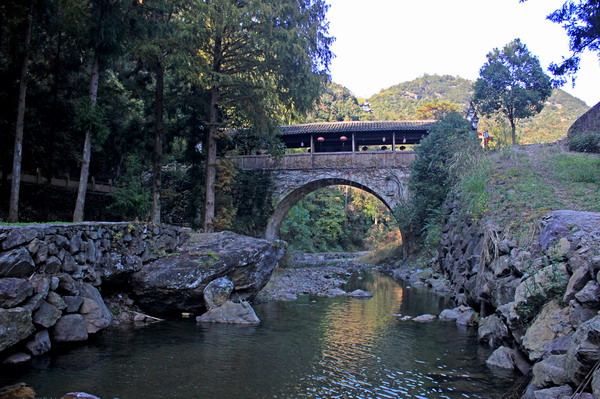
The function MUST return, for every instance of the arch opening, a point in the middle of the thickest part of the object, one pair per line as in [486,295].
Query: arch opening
[352,212]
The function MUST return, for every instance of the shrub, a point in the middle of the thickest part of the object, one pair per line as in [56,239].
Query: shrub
[132,199]
[432,176]
[585,143]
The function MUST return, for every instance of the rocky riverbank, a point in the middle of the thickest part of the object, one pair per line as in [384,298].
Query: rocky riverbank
[56,280]
[538,306]
[287,284]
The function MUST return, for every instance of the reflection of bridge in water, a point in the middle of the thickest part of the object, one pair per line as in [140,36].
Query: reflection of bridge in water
[333,158]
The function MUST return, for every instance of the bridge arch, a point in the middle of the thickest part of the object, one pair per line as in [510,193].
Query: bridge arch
[284,205]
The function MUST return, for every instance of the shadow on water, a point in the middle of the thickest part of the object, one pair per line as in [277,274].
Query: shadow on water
[310,348]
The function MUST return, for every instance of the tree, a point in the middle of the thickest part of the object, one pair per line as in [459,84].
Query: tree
[159,37]
[106,27]
[432,177]
[581,20]
[258,59]
[436,109]
[13,213]
[513,83]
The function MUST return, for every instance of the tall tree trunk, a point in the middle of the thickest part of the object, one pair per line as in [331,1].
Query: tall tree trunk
[211,162]
[13,211]
[158,141]
[513,131]
[87,145]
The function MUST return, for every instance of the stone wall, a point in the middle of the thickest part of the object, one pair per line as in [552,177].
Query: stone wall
[49,276]
[537,304]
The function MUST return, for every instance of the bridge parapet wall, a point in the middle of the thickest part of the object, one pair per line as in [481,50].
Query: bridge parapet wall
[370,159]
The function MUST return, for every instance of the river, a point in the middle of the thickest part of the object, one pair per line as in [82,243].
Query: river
[312,348]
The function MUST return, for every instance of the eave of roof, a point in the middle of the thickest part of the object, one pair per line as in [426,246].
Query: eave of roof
[357,126]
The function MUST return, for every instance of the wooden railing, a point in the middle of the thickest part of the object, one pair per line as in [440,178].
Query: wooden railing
[65,182]
[370,159]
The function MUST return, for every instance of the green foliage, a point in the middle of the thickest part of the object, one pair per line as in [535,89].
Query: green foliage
[560,111]
[585,143]
[580,20]
[338,218]
[404,100]
[432,178]
[91,118]
[474,172]
[335,105]
[542,289]
[132,198]
[252,194]
[513,83]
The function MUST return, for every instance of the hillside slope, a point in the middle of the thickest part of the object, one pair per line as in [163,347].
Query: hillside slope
[403,100]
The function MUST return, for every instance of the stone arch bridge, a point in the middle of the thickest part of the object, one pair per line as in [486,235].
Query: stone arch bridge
[385,175]
[370,155]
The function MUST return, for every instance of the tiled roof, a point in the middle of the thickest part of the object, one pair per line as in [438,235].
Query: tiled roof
[357,126]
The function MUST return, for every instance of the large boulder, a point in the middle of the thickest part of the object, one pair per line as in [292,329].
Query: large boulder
[230,313]
[578,226]
[15,325]
[13,291]
[584,351]
[542,284]
[551,323]
[562,392]
[96,314]
[502,358]
[16,263]
[39,344]
[46,315]
[176,283]
[70,328]
[17,391]
[492,331]
[217,292]
[550,372]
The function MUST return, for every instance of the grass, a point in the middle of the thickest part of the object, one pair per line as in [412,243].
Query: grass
[579,174]
[31,223]
[517,187]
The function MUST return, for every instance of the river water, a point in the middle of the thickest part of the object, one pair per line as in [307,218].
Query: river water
[310,348]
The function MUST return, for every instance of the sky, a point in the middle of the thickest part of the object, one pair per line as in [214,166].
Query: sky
[380,43]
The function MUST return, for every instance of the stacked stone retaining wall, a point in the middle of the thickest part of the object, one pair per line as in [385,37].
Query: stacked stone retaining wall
[50,275]
[538,305]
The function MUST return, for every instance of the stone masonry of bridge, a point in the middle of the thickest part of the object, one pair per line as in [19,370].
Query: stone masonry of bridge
[384,174]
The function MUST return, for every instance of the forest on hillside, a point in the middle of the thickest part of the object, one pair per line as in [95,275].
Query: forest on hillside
[406,101]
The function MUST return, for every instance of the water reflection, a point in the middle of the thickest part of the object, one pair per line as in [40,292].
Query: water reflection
[311,348]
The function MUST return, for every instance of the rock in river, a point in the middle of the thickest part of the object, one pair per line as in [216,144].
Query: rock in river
[230,313]
[176,283]
[360,294]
